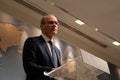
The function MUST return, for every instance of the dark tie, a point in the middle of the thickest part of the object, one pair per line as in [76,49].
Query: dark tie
[54,57]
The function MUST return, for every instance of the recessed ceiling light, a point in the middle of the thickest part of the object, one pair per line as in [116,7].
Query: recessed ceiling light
[79,22]
[52,4]
[116,43]
[96,29]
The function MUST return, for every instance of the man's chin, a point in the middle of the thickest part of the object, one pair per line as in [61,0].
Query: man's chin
[53,34]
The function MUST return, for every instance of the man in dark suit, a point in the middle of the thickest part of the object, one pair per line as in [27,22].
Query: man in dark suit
[37,53]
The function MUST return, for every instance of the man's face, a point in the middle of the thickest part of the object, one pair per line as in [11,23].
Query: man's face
[50,27]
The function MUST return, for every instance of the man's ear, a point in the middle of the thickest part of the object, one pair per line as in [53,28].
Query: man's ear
[41,26]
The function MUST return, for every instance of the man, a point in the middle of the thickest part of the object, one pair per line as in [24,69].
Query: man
[37,53]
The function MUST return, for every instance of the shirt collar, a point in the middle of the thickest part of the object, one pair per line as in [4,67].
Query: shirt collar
[46,38]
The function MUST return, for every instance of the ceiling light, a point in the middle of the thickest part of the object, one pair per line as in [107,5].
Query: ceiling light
[79,22]
[116,43]
[52,4]
[96,29]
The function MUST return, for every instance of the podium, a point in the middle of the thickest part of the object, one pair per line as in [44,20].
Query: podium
[75,69]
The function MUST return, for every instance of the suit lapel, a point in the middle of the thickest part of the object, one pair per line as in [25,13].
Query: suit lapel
[44,48]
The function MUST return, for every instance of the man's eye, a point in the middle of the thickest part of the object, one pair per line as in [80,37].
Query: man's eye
[53,22]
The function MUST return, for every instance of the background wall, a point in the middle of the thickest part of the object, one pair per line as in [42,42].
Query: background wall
[11,65]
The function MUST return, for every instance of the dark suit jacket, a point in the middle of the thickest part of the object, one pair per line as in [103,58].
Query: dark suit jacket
[37,58]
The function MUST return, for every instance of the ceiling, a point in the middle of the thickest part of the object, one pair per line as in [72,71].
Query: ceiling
[101,14]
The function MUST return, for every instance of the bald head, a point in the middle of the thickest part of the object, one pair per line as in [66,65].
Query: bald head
[43,20]
[49,25]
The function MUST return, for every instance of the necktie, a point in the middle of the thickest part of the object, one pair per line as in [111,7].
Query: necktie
[54,57]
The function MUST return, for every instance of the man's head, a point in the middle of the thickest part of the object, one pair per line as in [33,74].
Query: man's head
[49,25]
